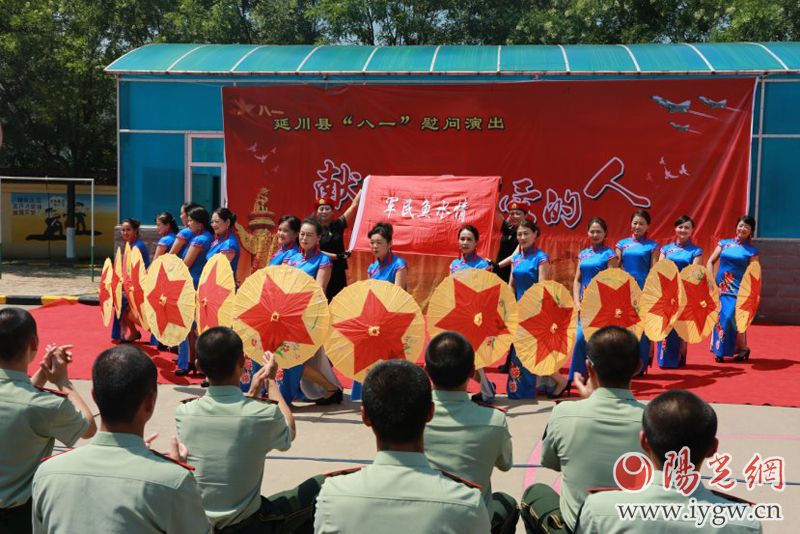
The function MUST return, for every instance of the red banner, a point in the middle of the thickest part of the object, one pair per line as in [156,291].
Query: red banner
[427,211]
[572,149]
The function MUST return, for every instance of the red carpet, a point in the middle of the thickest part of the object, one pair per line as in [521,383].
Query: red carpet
[770,377]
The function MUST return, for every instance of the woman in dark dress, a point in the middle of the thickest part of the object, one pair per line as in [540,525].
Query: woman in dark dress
[332,240]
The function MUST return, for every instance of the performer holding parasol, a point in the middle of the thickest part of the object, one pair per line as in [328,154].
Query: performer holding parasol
[386,267]
[225,240]
[331,240]
[167,229]
[598,257]
[315,378]
[129,233]
[517,211]
[671,353]
[288,230]
[528,266]
[194,256]
[734,255]
[637,254]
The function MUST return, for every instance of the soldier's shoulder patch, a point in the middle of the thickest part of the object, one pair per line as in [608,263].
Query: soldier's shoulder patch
[345,471]
[732,498]
[457,478]
[489,405]
[54,455]
[592,491]
[53,391]
[188,400]
[182,464]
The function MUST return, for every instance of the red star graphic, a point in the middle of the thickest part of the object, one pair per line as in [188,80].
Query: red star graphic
[474,314]
[115,282]
[377,334]
[667,305]
[164,300]
[211,296]
[699,304]
[549,327]
[615,307]
[278,316]
[104,294]
[750,305]
[136,292]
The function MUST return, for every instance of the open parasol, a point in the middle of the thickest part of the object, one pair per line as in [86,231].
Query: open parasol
[373,320]
[698,318]
[105,297]
[547,327]
[216,293]
[480,306]
[133,283]
[611,298]
[749,297]
[663,299]
[116,283]
[283,310]
[169,299]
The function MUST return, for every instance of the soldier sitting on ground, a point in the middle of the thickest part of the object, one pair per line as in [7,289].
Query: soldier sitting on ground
[115,484]
[583,439]
[673,420]
[229,433]
[399,492]
[464,437]
[31,417]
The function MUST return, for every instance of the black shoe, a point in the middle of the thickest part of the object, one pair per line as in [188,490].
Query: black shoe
[742,356]
[565,391]
[205,383]
[335,398]
[719,359]
[181,372]
[476,397]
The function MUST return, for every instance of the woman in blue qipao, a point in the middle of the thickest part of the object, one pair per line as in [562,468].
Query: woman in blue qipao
[682,252]
[386,266]
[193,255]
[529,266]
[595,259]
[313,379]
[734,256]
[129,233]
[288,229]
[637,254]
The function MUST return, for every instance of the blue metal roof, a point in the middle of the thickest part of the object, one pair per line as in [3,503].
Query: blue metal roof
[583,59]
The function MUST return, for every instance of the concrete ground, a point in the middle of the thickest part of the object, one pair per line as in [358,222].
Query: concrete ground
[332,438]
[42,278]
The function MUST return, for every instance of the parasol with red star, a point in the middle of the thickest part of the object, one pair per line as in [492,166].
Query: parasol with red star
[749,296]
[169,299]
[216,291]
[105,297]
[373,320]
[611,298]
[480,306]
[133,280]
[698,318]
[283,310]
[547,327]
[116,283]
[663,299]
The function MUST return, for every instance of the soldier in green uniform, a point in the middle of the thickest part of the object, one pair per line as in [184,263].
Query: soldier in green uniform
[399,492]
[31,417]
[115,484]
[228,435]
[583,439]
[464,437]
[673,420]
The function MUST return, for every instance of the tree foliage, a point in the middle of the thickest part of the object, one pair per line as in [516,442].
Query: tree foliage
[57,107]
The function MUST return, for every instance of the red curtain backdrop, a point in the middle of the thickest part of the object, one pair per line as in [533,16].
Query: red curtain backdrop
[573,149]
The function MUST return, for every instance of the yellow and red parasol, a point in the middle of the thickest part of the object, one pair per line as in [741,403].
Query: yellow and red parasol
[547,327]
[480,306]
[105,297]
[697,319]
[611,298]
[169,299]
[133,283]
[216,293]
[663,299]
[283,310]
[749,297]
[116,283]
[373,320]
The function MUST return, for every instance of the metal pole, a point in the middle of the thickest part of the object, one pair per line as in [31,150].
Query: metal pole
[91,233]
